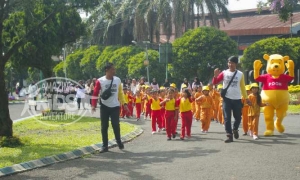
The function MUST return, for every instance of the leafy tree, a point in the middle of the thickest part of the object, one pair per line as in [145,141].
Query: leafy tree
[105,56]
[89,60]
[284,8]
[121,58]
[72,65]
[295,43]
[37,51]
[270,46]
[200,50]
[136,67]
[35,15]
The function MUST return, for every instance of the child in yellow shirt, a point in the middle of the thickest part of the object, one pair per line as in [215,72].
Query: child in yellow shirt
[154,103]
[185,107]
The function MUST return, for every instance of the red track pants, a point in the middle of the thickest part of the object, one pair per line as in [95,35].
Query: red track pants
[130,107]
[186,123]
[138,108]
[163,119]
[170,122]
[155,119]
[148,110]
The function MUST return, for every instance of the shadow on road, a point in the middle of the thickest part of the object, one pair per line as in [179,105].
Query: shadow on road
[125,163]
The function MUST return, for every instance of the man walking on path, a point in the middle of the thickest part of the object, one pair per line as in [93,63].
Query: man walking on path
[232,100]
[110,107]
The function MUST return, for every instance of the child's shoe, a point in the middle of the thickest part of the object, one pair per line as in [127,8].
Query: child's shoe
[255,137]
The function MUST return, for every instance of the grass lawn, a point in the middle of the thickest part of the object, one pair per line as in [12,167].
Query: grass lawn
[292,109]
[42,140]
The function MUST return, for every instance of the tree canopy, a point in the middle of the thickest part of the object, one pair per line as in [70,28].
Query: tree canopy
[200,50]
[290,47]
[284,8]
[136,67]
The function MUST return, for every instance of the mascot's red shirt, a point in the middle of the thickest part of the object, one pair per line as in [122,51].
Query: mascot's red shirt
[270,83]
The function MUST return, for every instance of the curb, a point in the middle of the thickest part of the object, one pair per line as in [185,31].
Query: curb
[23,102]
[75,154]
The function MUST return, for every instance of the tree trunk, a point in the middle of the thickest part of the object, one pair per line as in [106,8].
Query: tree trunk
[5,121]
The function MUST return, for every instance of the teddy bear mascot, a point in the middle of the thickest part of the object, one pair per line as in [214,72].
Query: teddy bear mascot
[275,89]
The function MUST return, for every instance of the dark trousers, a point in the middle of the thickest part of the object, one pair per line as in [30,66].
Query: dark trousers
[80,100]
[35,107]
[113,114]
[234,106]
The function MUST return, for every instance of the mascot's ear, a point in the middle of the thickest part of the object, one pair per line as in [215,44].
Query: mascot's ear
[266,57]
[286,58]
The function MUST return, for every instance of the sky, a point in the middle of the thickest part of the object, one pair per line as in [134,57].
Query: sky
[243,4]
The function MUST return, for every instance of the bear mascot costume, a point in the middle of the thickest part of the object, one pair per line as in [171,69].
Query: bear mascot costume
[275,89]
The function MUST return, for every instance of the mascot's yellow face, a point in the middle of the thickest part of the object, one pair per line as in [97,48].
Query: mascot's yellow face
[276,66]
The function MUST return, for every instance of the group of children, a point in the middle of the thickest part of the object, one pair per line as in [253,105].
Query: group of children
[204,104]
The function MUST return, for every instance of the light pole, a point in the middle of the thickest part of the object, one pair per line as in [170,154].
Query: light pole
[291,25]
[146,61]
[65,65]
[11,83]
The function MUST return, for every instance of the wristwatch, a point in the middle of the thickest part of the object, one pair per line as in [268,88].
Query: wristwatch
[125,104]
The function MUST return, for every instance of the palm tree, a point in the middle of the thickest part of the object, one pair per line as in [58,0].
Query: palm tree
[216,9]
[119,22]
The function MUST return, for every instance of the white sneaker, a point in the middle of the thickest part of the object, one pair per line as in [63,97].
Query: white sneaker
[203,132]
[255,137]
[153,132]
[206,131]
[250,133]
[158,130]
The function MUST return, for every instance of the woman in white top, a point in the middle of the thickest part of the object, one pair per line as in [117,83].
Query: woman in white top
[185,84]
[80,94]
[154,85]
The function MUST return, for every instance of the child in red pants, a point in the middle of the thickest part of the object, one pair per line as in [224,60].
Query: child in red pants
[154,102]
[130,103]
[171,113]
[162,94]
[123,112]
[147,105]
[138,105]
[185,108]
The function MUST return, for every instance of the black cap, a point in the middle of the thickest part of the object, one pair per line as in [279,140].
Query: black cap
[233,59]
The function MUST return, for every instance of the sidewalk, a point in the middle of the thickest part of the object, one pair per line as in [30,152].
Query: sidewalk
[201,157]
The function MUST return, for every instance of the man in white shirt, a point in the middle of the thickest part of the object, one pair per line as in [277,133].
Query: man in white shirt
[232,101]
[110,108]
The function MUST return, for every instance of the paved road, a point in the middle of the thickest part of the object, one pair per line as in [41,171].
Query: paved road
[201,157]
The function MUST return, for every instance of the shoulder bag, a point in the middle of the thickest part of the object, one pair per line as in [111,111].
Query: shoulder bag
[224,91]
[107,93]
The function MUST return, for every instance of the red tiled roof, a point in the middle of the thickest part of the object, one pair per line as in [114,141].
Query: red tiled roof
[251,25]
[258,25]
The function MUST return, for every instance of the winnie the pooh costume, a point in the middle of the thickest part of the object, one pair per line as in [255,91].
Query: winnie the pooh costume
[275,89]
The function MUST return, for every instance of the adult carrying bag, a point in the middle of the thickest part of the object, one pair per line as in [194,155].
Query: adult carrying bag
[107,93]
[224,91]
